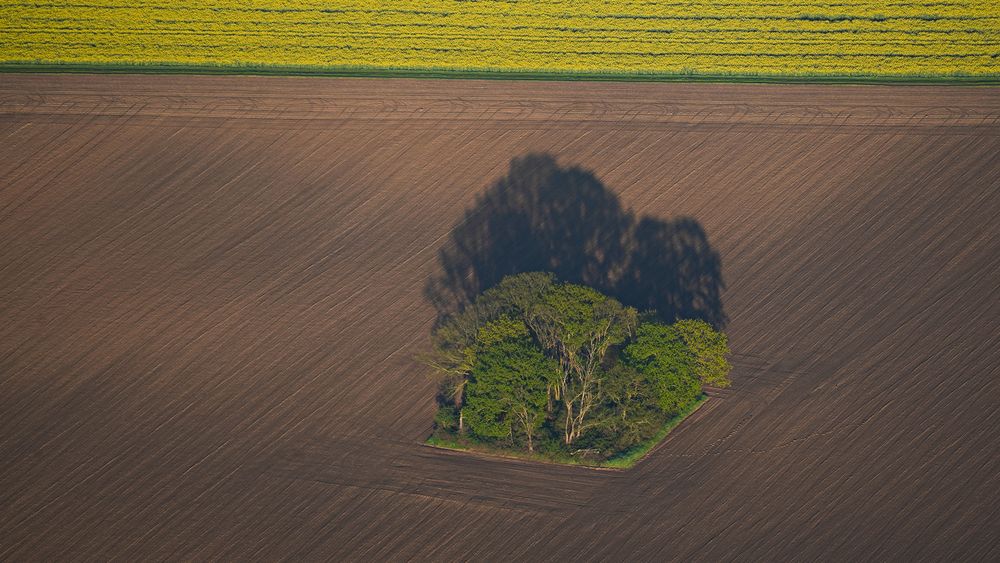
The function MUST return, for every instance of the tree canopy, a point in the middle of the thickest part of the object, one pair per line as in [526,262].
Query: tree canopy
[533,363]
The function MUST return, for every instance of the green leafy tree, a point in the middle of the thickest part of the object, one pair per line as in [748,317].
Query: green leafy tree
[514,295]
[506,395]
[454,342]
[631,412]
[661,355]
[710,349]
[578,325]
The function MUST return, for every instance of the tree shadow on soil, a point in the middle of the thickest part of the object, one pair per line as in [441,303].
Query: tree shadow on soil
[543,217]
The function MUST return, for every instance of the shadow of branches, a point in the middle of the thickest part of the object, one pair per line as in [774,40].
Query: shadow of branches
[543,217]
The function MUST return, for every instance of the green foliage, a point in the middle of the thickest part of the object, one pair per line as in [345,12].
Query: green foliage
[632,455]
[661,355]
[578,325]
[580,321]
[710,349]
[551,450]
[507,392]
[446,419]
[454,342]
[514,295]
[631,411]
[561,367]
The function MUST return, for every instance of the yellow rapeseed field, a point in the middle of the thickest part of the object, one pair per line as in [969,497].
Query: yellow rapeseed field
[759,37]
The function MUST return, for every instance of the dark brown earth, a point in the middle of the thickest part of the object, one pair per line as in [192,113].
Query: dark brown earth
[211,291]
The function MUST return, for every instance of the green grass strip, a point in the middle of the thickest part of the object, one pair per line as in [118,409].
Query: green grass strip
[377,72]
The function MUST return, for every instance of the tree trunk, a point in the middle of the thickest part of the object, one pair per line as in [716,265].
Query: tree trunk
[526,423]
[568,433]
[459,393]
[461,421]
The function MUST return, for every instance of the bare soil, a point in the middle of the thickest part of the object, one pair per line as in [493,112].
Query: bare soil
[211,291]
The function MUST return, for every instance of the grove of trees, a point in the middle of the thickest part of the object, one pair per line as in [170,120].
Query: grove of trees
[561,369]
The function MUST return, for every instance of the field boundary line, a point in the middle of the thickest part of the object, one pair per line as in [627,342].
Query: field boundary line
[486,74]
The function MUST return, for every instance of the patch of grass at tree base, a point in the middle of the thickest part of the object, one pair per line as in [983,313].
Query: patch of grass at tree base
[633,455]
[624,460]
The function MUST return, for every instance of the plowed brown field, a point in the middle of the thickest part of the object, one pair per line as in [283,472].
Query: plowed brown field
[211,290]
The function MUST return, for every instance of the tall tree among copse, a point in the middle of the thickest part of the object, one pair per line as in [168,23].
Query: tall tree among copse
[578,325]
